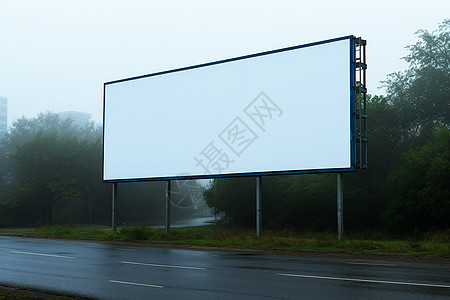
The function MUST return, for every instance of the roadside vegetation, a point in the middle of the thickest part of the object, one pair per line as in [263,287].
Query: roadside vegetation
[20,293]
[229,237]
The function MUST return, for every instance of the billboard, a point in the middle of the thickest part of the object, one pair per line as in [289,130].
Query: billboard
[283,111]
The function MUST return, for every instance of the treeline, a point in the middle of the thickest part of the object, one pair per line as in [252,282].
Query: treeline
[51,173]
[407,185]
[48,166]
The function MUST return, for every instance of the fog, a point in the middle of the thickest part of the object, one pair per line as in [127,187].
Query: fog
[56,55]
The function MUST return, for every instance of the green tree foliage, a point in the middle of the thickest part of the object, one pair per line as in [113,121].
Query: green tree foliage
[307,201]
[421,94]
[24,129]
[304,201]
[141,202]
[416,105]
[91,191]
[47,168]
[364,191]
[420,187]
[52,172]
[48,162]
[235,197]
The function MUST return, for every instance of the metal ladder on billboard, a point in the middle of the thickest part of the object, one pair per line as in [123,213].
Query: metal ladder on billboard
[361,104]
[361,127]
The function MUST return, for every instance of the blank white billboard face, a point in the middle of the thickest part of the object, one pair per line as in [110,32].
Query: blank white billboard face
[279,112]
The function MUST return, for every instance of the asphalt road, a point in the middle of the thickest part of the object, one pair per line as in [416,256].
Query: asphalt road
[108,271]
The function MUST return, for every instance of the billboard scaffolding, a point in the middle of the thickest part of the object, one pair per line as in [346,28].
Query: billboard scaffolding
[361,111]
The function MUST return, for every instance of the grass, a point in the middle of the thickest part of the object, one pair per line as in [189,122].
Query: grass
[225,236]
[18,293]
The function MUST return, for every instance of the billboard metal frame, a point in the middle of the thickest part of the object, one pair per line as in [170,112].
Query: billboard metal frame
[356,105]
[358,132]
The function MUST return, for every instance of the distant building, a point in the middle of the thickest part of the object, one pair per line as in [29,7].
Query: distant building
[3,116]
[78,118]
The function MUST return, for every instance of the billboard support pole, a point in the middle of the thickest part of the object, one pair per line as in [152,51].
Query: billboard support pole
[113,207]
[340,206]
[258,206]
[167,206]
[215,200]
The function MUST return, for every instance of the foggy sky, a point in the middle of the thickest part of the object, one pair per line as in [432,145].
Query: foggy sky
[56,55]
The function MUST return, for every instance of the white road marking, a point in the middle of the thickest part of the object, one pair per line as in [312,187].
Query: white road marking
[369,264]
[139,284]
[42,254]
[367,280]
[163,266]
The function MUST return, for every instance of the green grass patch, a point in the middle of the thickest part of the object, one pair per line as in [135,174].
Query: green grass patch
[17,293]
[226,236]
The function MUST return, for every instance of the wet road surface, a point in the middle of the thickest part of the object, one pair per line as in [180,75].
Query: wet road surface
[107,271]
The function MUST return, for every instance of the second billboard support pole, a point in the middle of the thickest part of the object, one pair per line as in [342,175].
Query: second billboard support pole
[258,206]
[340,206]
[113,207]
[167,206]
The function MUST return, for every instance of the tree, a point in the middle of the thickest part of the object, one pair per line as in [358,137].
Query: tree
[416,105]
[421,94]
[306,201]
[301,201]
[420,189]
[47,169]
[24,129]
[48,162]
[365,191]
[91,190]
[235,197]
